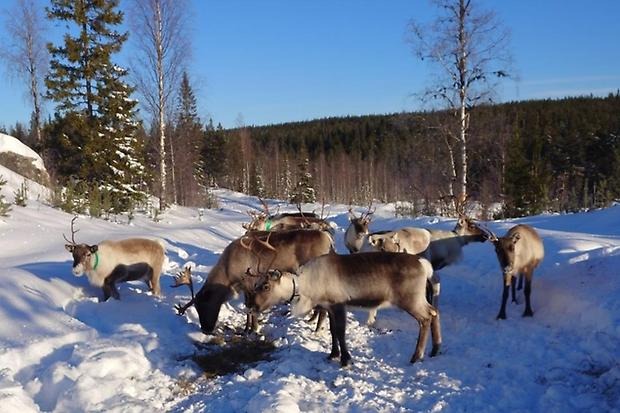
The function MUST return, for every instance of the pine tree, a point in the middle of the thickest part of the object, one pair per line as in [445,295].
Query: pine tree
[257,184]
[304,190]
[5,207]
[93,136]
[286,181]
[212,164]
[128,177]
[186,139]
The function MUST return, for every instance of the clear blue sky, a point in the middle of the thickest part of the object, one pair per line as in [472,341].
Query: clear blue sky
[274,61]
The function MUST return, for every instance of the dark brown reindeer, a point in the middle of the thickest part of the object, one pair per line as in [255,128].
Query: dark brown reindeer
[366,279]
[110,262]
[287,250]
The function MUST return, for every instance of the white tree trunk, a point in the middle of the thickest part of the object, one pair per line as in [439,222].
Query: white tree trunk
[161,103]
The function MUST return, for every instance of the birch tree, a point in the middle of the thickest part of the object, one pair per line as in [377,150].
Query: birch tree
[26,54]
[469,47]
[162,44]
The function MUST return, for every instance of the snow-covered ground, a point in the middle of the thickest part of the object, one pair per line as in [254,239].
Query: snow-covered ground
[62,350]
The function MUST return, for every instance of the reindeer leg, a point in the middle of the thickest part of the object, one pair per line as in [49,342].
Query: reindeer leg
[332,329]
[436,334]
[422,338]
[513,283]
[321,318]
[340,319]
[502,311]
[109,289]
[520,286]
[527,291]
[119,274]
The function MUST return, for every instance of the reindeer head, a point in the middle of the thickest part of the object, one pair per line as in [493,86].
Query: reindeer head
[466,226]
[389,243]
[82,253]
[505,251]
[361,223]
[267,289]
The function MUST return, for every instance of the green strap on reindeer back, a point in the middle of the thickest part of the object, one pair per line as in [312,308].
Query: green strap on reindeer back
[268,225]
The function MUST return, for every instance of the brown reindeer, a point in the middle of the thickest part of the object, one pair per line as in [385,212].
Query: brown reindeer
[110,262]
[365,279]
[520,251]
[285,250]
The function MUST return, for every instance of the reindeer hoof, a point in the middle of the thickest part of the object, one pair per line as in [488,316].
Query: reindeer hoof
[333,355]
[501,316]
[415,358]
[435,350]
[528,313]
[345,361]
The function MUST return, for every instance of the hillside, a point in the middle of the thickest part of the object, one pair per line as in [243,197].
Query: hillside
[62,350]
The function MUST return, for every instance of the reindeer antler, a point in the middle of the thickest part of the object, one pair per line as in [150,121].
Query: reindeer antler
[72,232]
[369,211]
[459,203]
[184,278]
[265,206]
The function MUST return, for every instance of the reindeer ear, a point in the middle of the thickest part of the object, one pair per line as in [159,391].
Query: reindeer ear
[69,247]
[394,237]
[275,275]
[516,237]
[93,248]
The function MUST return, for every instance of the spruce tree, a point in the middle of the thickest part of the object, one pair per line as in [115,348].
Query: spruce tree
[186,138]
[211,167]
[93,135]
[5,207]
[304,190]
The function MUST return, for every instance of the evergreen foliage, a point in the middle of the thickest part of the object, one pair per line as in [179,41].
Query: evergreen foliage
[93,135]
[186,143]
[211,166]
[21,195]
[5,207]
[304,190]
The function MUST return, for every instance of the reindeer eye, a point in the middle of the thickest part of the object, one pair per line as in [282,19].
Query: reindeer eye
[266,287]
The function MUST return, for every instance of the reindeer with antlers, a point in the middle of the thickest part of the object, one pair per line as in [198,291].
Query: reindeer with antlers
[264,221]
[111,262]
[256,252]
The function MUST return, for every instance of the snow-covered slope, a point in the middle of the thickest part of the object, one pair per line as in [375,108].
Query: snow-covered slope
[11,144]
[62,350]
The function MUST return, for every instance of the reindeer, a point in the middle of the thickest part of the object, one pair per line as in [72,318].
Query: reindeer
[356,233]
[264,221]
[110,262]
[366,279]
[285,250]
[518,252]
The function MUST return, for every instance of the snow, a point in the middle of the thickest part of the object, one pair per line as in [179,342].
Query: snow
[63,350]
[11,144]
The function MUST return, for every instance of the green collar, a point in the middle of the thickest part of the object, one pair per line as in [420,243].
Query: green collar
[96,261]
[268,225]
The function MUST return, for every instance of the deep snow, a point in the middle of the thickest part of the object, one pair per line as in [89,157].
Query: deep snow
[62,350]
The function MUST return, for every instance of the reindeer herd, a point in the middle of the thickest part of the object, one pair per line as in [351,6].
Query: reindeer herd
[291,258]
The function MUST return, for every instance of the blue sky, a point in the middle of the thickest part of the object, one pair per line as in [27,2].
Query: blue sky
[277,61]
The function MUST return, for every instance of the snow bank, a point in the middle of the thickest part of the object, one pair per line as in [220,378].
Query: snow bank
[11,144]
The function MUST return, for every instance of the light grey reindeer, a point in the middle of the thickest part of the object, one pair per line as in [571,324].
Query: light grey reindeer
[334,281]
[111,262]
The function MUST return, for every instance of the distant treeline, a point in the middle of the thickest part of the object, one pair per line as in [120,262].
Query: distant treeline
[559,155]
[533,156]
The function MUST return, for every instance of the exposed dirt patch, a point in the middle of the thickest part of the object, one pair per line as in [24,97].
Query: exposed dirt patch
[233,357]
